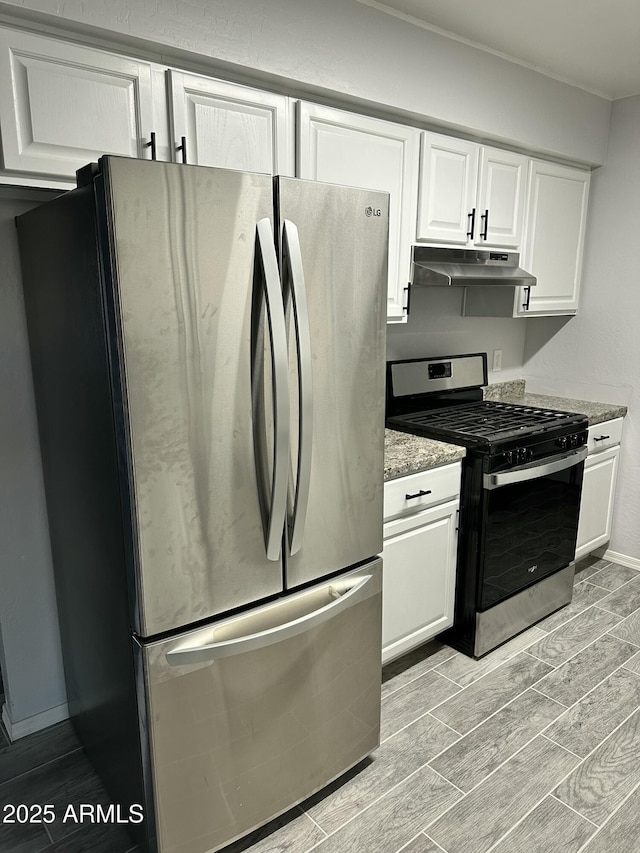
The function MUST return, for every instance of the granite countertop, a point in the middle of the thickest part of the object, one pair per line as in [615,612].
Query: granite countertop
[514,392]
[408,454]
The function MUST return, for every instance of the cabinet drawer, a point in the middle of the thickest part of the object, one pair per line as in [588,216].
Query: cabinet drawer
[596,504]
[419,578]
[604,435]
[402,496]
[287,697]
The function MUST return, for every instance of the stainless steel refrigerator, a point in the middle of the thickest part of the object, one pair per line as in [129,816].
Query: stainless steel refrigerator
[208,359]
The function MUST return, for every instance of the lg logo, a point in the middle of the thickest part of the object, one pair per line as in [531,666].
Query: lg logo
[373,211]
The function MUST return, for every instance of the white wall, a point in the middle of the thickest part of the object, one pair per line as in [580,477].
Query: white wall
[599,350]
[364,55]
[436,327]
[32,663]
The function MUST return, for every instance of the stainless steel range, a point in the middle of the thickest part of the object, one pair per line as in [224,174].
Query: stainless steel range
[520,500]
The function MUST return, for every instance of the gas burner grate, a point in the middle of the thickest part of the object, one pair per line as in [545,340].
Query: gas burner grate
[487,419]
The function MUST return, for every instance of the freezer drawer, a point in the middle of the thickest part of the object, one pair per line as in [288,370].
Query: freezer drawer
[251,715]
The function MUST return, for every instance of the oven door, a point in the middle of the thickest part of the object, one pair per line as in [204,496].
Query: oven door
[530,524]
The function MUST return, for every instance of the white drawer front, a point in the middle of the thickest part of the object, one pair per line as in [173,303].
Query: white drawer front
[418,579]
[418,491]
[604,435]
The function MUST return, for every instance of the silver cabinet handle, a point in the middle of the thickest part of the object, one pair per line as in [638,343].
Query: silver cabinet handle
[274,509]
[293,275]
[534,470]
[244,634]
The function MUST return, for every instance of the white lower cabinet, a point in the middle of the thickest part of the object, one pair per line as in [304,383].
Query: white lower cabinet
[598,487]
[419,559]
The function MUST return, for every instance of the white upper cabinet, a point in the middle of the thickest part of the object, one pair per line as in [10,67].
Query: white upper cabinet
[502,187]
[230,126]
[470,195]
[448,182]
[345,148]
[63,106]
[554,238]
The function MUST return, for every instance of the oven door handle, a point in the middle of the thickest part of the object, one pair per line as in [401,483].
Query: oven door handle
[535,470]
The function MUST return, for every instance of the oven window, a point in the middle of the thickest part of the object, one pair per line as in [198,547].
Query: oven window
[530,532]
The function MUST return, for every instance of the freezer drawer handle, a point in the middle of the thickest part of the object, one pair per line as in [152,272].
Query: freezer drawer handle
[273,510]
[344,594]
[602,438]
[293,274]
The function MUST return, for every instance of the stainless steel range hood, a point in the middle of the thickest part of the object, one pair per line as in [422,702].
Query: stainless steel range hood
[468,268]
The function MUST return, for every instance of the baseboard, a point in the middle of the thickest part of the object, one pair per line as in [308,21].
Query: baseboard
[631,562]
[43,720]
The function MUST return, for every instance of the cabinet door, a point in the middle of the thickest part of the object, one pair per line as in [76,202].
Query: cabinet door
[448,179]
[344,148]
[502,187]
[419,558]
[230,126]
[596,506]
[63,106]
[554,238]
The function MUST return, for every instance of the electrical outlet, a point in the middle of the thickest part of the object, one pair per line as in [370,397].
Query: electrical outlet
[497,360]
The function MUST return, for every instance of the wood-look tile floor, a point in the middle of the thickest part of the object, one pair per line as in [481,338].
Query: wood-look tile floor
[536,747]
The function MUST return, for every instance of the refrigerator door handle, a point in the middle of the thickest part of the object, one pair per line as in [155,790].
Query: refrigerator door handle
[275,621]
[292,263]
[274,512]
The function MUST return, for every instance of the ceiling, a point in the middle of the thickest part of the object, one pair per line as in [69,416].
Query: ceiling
[593,44]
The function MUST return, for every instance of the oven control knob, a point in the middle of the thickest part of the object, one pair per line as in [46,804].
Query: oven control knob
[529,454]
[509,457]
[522,454]
[563,442]
[574,440]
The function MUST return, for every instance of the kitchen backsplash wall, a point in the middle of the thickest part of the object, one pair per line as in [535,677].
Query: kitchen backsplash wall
[436,327]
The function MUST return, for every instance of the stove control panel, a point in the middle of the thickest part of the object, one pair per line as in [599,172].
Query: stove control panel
[566,442]
[523,455]
[518,456]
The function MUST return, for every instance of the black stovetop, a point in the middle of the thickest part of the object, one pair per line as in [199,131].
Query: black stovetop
[486,422]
